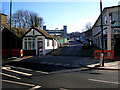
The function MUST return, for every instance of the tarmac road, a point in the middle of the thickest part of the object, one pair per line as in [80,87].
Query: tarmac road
[61,72]
[74,48]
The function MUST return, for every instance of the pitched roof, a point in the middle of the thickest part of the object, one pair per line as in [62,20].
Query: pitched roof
[17,31]
[20,32]
[46,34]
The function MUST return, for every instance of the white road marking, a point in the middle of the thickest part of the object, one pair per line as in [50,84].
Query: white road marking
[104,81]
[33,88]
[28,69]
[26,84]
[6,68]
[27,74]
[10,75]
[42,72]
[19,68]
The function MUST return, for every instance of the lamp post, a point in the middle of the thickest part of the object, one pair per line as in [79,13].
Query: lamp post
[55,37]
[10,26]
[102,40]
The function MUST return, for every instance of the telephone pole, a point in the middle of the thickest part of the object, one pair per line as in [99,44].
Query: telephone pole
[10,27]
[102,40]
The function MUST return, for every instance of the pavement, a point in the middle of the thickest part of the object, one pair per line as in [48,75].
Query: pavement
[107,66]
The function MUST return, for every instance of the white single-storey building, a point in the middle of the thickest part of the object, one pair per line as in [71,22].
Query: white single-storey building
[35,39]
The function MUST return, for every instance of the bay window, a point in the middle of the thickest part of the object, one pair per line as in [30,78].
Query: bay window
[29,43]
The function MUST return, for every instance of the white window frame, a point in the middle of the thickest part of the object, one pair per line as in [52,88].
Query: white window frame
[31,41]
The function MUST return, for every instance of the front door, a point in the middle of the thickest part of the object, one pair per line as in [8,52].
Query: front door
[40,46]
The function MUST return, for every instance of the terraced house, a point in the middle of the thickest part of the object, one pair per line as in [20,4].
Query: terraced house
[111,29]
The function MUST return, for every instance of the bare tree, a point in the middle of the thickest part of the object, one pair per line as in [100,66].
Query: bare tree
[26,19]
[88,26]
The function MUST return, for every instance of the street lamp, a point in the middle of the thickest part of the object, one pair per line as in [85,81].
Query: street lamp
[102,40]
[55,32]
[10,26]
[55,38]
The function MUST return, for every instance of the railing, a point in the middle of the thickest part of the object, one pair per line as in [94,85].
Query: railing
[12,52]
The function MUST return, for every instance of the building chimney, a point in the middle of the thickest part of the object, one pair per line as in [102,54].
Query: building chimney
[4,19]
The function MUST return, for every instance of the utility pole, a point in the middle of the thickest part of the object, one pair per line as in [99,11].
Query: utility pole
[102,40]
[10,26]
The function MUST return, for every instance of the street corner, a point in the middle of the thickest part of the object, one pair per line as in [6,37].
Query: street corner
[107,66]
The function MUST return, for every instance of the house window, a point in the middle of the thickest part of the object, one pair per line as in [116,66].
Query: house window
[29,44]
[25,46]
[33,45]
[47,42]
[39,38]
[105,20]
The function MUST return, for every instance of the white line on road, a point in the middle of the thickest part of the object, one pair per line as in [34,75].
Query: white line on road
[104,81]
[27,74]
[5,67]
[27,69]
[42,72]
[19,68]
[10,75]
[33,88]
[25,84]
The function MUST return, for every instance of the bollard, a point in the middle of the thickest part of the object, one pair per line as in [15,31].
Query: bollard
[101,58]
[21,53]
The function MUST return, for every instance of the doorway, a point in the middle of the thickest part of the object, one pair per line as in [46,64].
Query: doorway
[40,46]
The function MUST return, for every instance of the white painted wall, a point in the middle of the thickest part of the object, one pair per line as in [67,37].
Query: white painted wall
[50,47]
[45,48]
